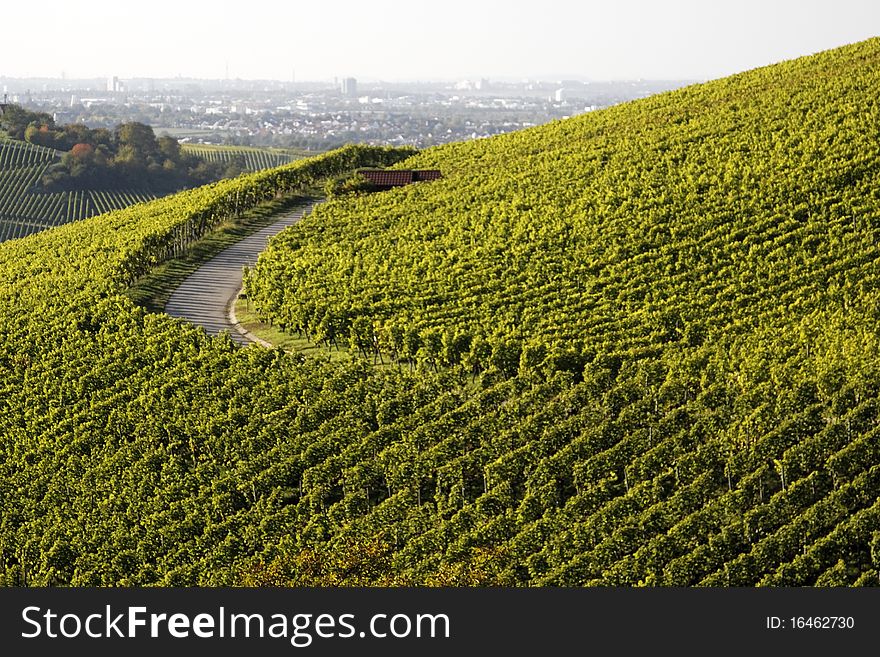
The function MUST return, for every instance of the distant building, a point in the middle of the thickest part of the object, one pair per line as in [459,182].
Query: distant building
[387,178]
[564,94]
[349,87]
[63,117]
[114,85]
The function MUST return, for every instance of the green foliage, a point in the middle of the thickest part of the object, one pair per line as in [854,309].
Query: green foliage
[239,158]
[88,181]
[352,183]
[15,121]
[24,209]
[98,159]
[693,231]
[674,220]
[130,155]
[635,348]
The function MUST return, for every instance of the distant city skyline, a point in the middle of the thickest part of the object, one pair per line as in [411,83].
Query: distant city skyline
[395,41]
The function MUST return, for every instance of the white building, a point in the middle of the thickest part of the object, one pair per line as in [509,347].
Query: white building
[561,95]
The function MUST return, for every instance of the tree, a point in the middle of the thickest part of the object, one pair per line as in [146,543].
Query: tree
[15,121]
[82,151]
[139,138]
[169,148]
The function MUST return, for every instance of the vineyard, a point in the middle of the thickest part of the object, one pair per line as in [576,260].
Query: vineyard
[25,210]
[250,159]
[636,347]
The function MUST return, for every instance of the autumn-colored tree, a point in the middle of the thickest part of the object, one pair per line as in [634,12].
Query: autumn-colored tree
[81,151]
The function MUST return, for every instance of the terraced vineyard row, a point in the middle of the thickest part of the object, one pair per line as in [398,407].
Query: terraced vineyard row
[593,240]
[54,209]
[21,155]
[252,159]
[25,210]
[69,283]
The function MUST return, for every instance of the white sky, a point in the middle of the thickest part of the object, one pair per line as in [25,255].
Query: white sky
[421,39]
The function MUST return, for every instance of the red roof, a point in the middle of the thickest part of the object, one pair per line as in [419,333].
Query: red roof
[385,178]
[427,174]
[398,177]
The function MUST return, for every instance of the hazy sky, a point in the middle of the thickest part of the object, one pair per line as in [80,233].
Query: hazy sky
[421,39]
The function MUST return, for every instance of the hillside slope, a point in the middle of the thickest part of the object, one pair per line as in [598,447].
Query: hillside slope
[710,255]
[26,209]
[688,216]
[632,365]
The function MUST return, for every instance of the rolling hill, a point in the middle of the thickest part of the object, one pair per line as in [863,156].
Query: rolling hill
[636,347]
[25,209]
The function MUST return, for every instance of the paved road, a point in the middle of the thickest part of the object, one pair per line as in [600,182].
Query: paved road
[205,296]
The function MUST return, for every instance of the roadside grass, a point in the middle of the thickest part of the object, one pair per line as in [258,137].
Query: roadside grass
[249,320]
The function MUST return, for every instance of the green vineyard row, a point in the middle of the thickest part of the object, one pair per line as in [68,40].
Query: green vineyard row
[251,159]
[636,347]
[25,209]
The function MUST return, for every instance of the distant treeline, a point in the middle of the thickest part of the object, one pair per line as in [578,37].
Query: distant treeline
[129,155]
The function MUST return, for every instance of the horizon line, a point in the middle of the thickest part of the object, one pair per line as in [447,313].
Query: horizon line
[364,80]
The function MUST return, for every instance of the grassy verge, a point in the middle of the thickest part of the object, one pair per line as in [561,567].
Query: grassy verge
[153,290]
[249,319]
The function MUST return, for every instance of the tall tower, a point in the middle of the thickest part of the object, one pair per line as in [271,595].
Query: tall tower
[349,87]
